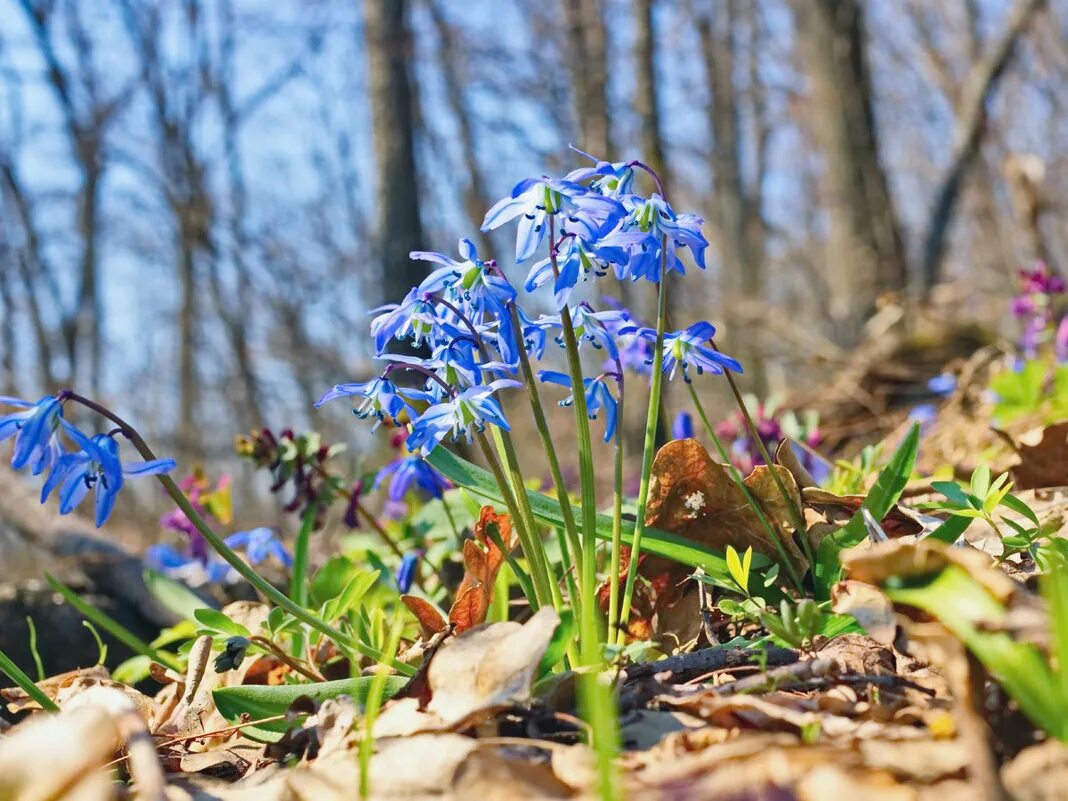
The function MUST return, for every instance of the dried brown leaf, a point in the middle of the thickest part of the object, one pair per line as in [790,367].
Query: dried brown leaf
[1045,463]
[871,608]
[431,621]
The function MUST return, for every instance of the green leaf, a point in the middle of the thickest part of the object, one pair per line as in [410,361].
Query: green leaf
[174,594]
[259,701]
[949,532]
[880,500]
[330,580]
[663,543]
[981,481]
[561,638]
[967,609]
[952,490]
[357,587]
[215,620]
[1021,508]
[738,571]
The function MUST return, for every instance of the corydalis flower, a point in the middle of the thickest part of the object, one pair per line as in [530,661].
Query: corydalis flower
[36,432]
[468,411]
[260,544]
[598,397]
[688,349]
[535,200]
[96,467]
[411,472]
[382,399]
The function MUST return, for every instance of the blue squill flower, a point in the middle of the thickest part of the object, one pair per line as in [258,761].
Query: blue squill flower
[411,472]
[96,467]
[413,318]
[688,348]
[186,566]
[595,327]
[682,427]
[381,399]
[259,545]
[612,179]
[652,233]
[406,572]
[578,259]
[36,432]
[534,200]
[469,283]
[469,411]
[598,397]
[943,384]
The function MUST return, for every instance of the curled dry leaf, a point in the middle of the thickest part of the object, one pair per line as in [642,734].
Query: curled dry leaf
[66,755]
[1043,463]
[871,608]
[479,672]
[696,497]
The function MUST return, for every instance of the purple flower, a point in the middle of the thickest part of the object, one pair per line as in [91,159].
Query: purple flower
[259,545]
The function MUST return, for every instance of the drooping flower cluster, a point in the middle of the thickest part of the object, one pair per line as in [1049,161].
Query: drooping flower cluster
[1036,308]
[474,334]
[94,464]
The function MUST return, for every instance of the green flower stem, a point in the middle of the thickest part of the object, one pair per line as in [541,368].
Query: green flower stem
[649,445]
[539,561]
[113,627]
[231,558]
[542,594]
[572,554]
[617,526]
[298,585]
[791,506]
[754,504]
[14,672]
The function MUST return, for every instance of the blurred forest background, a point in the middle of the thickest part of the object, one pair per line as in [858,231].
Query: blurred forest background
[201,199]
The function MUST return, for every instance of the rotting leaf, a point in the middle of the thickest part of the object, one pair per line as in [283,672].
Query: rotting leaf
[694,496]
[1045,463]
[869,606]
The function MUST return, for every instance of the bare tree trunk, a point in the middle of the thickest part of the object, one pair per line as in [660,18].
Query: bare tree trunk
[7,318]
[646,99]
[588,51]
[864,253]
[389,47]
[733,208]
[968,132]
[475,199]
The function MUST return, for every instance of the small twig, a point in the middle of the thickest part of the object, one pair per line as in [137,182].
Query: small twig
[286,659]
[707,660]
[774,679]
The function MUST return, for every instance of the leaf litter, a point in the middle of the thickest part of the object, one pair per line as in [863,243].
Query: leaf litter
[894,709]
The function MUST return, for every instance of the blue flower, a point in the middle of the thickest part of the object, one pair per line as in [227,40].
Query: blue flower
[590,326]
[578,259]
[172,562]
[382,399]
[408,472]
[651,233]
[943,384]
[688,348]
[36,432]
[470,283]
[470,409]
[583,212]
[598,397]
[414,318]
[97,467]
[260,544]
[923,413]
[682,428]
[612,179]
[406,572]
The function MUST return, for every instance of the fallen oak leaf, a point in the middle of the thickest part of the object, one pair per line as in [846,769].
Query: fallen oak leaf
[431,620]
